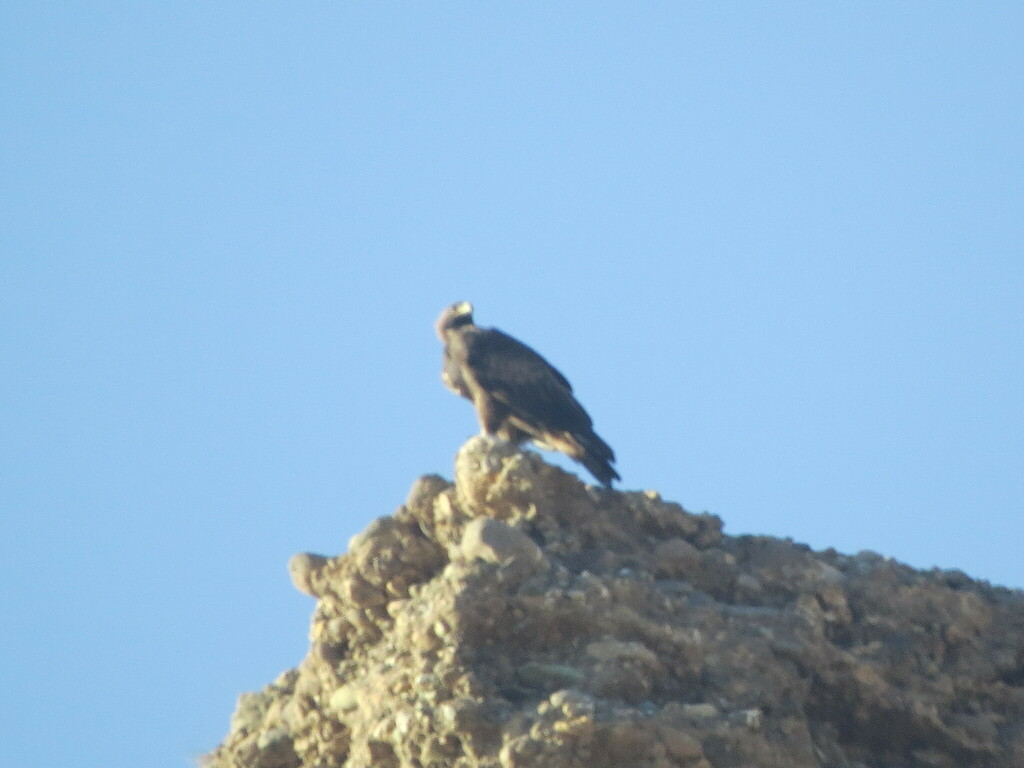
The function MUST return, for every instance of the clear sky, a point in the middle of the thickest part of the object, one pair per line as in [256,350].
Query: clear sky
[778,248]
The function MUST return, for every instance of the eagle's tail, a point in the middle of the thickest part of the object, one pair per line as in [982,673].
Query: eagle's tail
[597,456]
[587,448]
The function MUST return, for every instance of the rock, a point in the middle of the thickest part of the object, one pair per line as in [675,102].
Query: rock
[617,650]
[676,557]
[305,569]
[425,490]
[680,745]
[344,699]
[548,677]
[495,542]
[522,618]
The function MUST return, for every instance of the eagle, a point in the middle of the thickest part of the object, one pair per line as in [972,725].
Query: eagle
[517,394]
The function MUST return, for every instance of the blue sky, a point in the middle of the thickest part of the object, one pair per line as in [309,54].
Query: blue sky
[777,248]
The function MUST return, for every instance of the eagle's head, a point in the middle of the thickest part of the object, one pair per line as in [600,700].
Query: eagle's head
[455,316]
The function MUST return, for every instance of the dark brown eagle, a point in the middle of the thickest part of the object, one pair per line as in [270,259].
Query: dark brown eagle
[518,395]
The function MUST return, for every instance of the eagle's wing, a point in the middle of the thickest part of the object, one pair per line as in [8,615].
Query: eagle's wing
[524,382]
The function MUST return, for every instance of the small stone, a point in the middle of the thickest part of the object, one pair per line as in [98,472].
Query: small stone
[676,558]
[304,568]
[572,702]
[424,490]
[331,654]
[748,586]
[344,699]
[496,542]
[702,711]
[271,737]
[748,718]
[682,746]
[548,676]
[362,593]
[608,650]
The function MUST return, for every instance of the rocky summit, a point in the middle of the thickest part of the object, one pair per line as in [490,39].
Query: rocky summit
[519,618]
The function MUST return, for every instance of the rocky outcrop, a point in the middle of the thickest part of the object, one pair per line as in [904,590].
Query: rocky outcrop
[521,618]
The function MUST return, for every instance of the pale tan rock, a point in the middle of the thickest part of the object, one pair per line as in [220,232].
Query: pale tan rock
[344,699]
[493,541]
[304,569]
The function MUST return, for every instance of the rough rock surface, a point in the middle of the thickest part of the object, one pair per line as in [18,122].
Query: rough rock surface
[521,618]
